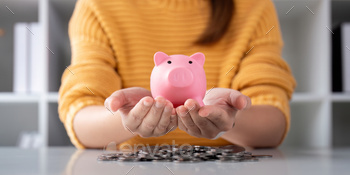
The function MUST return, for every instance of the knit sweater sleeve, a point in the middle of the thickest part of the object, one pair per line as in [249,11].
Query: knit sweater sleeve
[92,75]
[263,75]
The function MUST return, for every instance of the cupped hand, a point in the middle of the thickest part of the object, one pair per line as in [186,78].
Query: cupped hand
[141,114]
[215,117]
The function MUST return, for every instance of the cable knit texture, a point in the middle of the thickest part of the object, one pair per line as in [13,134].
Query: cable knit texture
[113,43]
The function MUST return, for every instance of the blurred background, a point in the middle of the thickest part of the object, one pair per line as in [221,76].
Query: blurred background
[35,50]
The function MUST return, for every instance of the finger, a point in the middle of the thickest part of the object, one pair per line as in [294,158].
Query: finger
[238,100]
[116,101]
[173,124]
[206,127]
[134,118]
[184,115]
[219,117]
[165,119]
[181,125]
[128,96]
[249,103]
[207,110]
[152,118]
[241,102]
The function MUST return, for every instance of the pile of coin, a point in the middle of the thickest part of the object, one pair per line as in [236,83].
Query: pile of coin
[191,154]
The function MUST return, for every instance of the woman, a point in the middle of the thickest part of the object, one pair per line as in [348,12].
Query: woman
[105,95]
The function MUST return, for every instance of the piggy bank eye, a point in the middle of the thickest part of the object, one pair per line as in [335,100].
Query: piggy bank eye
[169,62]
[190,62]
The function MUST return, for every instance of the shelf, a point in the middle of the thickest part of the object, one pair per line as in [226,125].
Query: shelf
[10,97]
[52,97]
[340,97]
[306,97]
[18,98]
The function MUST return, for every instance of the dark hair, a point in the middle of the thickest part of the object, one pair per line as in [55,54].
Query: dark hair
[219,22]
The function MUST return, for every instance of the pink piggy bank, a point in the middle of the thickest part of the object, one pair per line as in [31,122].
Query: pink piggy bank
[179,77]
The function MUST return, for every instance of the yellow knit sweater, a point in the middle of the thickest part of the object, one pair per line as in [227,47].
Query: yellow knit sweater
[113,42]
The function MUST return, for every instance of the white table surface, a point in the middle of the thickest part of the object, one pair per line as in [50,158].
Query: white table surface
[68,160]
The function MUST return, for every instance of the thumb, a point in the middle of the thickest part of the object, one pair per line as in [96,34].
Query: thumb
[116,101]
[129,96]
[238,100]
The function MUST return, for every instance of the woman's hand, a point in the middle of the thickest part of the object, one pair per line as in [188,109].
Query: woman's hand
[141,114]
[217,116]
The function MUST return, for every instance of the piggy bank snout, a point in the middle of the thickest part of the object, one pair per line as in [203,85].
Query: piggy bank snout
[180,77]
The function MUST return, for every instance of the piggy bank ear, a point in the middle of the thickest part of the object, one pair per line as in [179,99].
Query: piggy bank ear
[159,57]
[199,57]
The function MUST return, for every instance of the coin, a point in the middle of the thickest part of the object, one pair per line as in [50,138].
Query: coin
[262,156]
[188,154]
